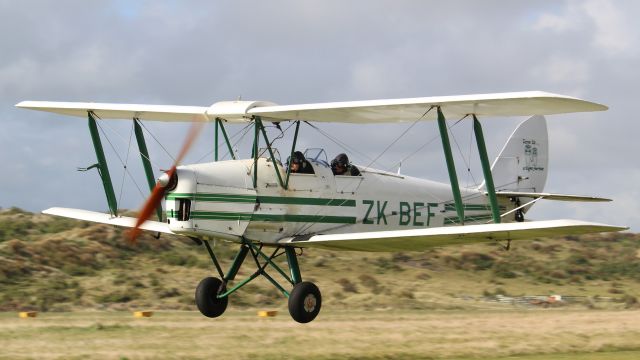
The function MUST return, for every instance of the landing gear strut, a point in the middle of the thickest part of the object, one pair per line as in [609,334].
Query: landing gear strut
[212,295]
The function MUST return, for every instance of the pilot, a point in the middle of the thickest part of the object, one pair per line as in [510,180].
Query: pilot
[300,165]
[341,166]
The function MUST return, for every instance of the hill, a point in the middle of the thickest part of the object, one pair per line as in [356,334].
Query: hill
[55,264]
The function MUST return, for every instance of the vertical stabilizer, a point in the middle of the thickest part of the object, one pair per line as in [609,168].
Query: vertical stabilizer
[523,161]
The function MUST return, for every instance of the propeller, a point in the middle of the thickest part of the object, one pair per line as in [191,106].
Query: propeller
[164,183]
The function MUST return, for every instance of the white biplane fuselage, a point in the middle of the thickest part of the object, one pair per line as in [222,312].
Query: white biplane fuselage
[218,200]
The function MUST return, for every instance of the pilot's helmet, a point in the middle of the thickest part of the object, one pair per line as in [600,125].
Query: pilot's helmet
[297,158]
[341,160]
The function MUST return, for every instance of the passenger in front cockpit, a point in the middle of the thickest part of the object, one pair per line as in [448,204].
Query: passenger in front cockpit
[300,165]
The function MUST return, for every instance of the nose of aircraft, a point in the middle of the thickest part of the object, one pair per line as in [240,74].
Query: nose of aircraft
[168,182]
[163,180]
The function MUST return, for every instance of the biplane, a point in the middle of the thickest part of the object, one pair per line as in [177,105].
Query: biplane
[269,211]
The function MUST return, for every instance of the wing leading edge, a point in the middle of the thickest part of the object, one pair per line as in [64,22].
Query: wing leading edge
[421,239]
[102,218]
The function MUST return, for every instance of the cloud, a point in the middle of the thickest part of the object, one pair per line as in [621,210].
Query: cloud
[610,23]
[615,30]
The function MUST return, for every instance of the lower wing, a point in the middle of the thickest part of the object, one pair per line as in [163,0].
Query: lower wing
[102,218]
[421,239]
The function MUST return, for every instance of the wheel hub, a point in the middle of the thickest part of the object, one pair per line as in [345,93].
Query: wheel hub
[310,303]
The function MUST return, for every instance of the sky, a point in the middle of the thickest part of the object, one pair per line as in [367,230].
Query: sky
[291,52]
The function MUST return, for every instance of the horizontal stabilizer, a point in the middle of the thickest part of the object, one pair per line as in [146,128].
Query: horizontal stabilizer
[102,218]
[422,239]
[550,196]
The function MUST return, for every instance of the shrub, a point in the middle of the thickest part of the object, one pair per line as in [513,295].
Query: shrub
[385,263]
[630,302]
[503,270]
[347,286]
[478,261]
[371,283]
[166,293]
[400,257]
[577,259]
[117,297]
[176,259]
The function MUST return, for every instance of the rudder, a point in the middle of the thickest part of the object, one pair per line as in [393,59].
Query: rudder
[523,162]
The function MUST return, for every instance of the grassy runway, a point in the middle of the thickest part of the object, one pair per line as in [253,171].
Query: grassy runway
[526,335]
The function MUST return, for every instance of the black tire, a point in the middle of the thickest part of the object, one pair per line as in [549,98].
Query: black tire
[304,302]
[206,297]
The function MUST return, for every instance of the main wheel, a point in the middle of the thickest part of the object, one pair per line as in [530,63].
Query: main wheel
[206,297]
[304,302]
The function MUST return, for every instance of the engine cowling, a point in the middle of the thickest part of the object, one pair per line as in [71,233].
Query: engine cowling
[211,200]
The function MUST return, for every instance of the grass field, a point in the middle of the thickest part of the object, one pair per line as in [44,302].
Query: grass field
[461,302]
[492,334]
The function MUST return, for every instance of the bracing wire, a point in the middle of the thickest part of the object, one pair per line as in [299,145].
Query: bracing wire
[374,160]
[159,143]
[270,145]
[120,158]
[400,136]
[468,167]
[338,142]
[124,173]
[124,140]
[246,130]
[427,143]
[466,164]
[469,158]
[219,145]
[282,133]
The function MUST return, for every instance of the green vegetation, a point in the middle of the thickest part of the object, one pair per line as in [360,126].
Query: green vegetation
[53,264]
[375,305]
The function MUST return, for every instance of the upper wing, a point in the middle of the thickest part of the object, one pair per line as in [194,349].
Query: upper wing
[121,111]
[397,110]
[234,111]
[93,216]
[421,239]
[362,112]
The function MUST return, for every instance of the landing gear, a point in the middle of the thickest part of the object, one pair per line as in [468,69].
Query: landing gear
[207,297]
[304,302]
[212,295]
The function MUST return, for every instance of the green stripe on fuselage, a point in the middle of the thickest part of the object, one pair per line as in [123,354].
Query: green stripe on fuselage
[305,201]
[218,215]
[212,197]
[323,219]
[232,216]
[262,199]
